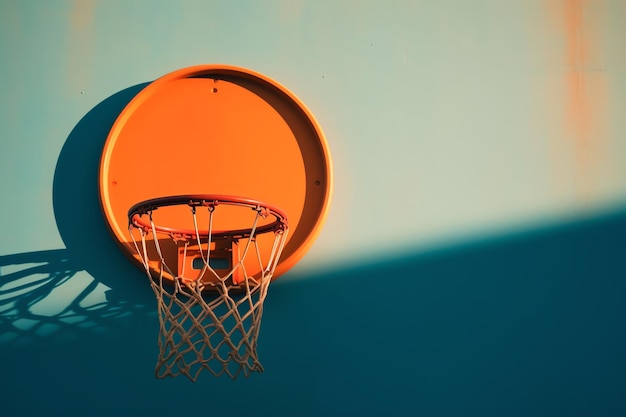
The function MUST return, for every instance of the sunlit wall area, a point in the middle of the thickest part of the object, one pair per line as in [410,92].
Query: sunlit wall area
[444,118]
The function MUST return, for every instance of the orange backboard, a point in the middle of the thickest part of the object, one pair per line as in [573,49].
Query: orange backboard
[215,129]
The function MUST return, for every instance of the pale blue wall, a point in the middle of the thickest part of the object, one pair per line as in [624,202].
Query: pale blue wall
[472,262]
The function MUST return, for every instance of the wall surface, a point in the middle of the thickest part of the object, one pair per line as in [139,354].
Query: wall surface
[473,259]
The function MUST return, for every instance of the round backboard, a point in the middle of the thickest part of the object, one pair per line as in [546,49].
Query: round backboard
[215,129]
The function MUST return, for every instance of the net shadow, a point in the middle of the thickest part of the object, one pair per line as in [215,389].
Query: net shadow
[43,296]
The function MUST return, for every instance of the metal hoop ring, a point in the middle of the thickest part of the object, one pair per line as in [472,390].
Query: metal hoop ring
[206,200]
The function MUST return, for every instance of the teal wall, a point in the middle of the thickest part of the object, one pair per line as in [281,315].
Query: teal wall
[472,261]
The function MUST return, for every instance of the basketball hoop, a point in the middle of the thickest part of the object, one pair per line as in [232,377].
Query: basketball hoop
[210,296]
[210,258]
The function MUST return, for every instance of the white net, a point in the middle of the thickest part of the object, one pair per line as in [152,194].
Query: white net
[210,307]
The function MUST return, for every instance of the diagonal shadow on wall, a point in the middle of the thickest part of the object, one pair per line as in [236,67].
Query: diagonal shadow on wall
[528,323]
